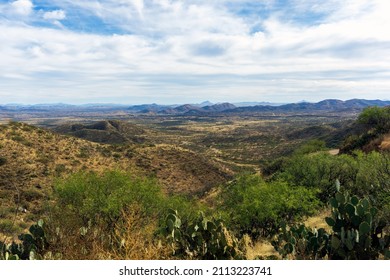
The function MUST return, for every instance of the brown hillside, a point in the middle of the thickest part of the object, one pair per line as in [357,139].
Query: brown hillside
[182,171]
[31,158]
[107,132]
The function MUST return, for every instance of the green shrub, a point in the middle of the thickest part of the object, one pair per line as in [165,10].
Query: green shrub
[3,161]
[59,169]
[320,170]
[45,158]
[8,227]
[93,197]
[376,118]
[116,156]
[272,167]
[27,128]
[4,212]
[85,152]
[94,208]
[311,146]
[256,207]
[362,174]
[22,140]
[187,208]
[31,195]
[372,123]
[373,176]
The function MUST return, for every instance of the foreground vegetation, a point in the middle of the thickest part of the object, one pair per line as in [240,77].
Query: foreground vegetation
[134,220]
[123,214]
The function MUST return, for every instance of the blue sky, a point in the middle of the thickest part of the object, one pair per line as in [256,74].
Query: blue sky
[169,52]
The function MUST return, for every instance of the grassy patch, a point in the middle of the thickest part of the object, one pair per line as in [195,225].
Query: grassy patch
[8,227]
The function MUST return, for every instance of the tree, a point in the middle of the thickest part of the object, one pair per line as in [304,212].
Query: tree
[376,118]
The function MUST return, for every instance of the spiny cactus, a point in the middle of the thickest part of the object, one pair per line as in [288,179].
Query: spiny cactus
[301,241]
[32,246]
[357,233]
[201,238]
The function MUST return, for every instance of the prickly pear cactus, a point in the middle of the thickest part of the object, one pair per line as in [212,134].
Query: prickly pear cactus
[32,246]
[201,238]
[302,242]
[357,234]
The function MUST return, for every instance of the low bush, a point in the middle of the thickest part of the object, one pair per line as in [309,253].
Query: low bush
[256,207]
[93,197]
[112,215]
[362,174]
[8,227]
[3,161]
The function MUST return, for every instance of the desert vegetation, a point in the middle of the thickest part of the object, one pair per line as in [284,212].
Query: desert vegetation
[198,188]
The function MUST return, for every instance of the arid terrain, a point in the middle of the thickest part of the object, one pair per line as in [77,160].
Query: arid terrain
[197,156]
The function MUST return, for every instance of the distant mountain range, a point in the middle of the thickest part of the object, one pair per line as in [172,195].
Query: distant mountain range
[204,108]
[327,105]
[188,109]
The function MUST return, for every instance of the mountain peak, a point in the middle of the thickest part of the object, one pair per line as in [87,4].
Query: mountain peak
[206,103]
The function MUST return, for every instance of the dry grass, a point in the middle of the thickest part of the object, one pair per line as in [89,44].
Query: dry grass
[136,236]
[261,248]
[180,170]
[334,152]
[385,145]
[223,126]
[132,237]
[34,157]
[318,221]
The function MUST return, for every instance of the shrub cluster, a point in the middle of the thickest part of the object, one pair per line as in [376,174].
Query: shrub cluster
[256,207]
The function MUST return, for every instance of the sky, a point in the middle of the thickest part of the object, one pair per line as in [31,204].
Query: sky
[189,51]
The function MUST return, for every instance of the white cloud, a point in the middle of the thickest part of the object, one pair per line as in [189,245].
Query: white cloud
[55,15]
[139,5]
[173,48]
[22,7]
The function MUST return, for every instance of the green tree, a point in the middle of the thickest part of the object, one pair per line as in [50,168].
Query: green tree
[92,197]
[257,207]
[376,118]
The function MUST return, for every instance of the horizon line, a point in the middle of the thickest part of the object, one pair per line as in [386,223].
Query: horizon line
[173,104]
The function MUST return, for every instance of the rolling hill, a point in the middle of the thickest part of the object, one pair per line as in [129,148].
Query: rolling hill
[118,111]
[328,105]
[31,159]
[109,132]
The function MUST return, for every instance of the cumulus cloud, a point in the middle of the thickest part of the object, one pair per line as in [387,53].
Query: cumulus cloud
[165,49]
[55,15]
[22,7]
